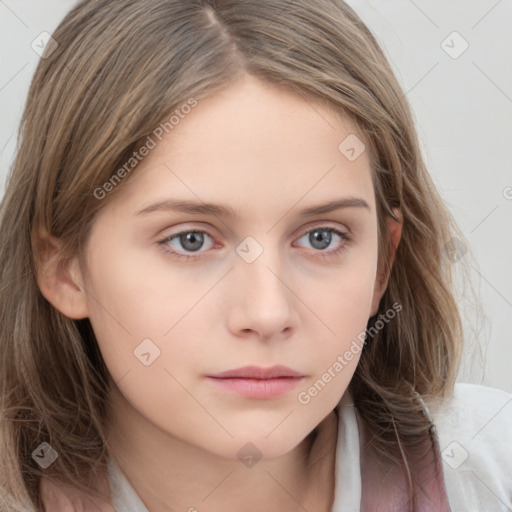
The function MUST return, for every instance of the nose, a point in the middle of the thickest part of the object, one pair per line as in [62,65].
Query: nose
[263,302]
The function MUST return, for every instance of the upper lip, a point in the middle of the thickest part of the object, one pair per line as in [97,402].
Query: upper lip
[257,372]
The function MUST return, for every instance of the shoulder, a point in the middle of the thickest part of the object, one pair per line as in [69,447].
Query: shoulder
[473,426]
[476,417]
[474,409]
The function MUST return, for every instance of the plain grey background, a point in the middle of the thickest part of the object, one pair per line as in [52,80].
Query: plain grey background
[454,61]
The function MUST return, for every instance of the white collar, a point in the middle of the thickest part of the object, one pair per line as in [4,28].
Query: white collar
[347,473]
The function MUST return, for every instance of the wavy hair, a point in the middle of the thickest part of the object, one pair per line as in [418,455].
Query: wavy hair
[121,69]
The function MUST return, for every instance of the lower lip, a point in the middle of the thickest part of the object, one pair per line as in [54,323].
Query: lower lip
[258,388]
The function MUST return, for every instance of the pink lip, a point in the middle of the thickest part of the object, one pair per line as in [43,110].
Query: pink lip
[257,382]
[257,372]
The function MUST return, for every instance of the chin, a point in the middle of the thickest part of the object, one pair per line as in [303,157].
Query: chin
[271,447]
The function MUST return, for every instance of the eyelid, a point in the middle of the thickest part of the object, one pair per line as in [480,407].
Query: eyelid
[326,224]
[298,233]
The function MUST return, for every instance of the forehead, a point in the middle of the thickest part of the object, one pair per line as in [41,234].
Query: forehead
[258,148]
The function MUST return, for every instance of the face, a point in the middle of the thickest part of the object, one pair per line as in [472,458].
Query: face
[176,295]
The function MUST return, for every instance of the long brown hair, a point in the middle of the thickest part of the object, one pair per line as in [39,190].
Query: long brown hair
[120,70]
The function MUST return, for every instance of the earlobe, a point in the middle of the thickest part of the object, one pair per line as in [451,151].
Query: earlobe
[381,283]
[59,279]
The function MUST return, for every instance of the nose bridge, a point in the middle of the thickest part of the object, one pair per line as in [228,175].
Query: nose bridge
[264,297]
[263,275]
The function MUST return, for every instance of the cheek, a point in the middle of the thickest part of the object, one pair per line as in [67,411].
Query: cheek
[342,296]
[148,315]
[152,342]
[342,306]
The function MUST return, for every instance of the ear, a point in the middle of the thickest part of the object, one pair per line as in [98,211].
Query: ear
[381,283]
[59,279]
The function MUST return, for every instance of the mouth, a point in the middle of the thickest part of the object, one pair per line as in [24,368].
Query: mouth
[257,382]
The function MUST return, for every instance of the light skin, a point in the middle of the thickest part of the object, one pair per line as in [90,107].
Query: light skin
[268,154]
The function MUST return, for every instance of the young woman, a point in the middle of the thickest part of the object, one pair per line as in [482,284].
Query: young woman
[227,276]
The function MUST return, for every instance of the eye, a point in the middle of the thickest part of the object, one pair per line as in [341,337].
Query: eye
[321,237]
[185,243]
[189,240]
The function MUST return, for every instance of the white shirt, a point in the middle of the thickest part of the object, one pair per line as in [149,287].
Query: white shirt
[474,428]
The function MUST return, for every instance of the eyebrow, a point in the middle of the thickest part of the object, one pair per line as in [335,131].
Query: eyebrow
[195,207]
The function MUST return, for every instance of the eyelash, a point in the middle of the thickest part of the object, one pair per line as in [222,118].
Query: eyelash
[321,253]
